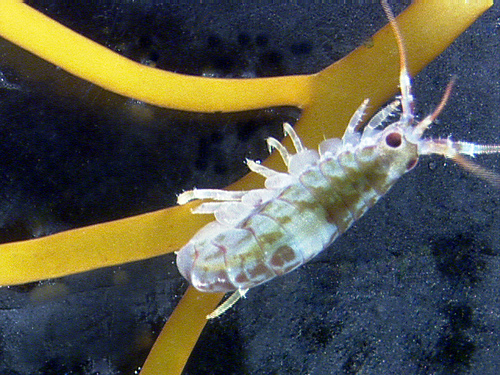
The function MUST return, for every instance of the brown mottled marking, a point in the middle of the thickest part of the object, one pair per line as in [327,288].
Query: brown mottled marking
[271,237]
[281,211]
[341,184]
[241,278]
[260,270]
[336,210]
[301,199]
[284,260]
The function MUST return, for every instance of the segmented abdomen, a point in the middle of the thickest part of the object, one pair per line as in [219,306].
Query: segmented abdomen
[299,222]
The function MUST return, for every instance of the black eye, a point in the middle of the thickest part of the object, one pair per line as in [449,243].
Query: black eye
[393,140]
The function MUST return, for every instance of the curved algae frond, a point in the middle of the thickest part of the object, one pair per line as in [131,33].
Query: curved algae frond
[328,99]
[181,332]
[96,246]
[84,58]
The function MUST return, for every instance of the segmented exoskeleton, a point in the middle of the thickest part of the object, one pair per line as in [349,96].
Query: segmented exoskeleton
[260,234]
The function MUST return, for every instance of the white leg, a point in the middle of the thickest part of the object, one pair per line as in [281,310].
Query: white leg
[356,118]
[378,119]
[274,143]
[207,208]
[215,194]
[260,169]
[297,143]
[227,304]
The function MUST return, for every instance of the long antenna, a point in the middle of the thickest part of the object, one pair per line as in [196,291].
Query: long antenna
[404,76]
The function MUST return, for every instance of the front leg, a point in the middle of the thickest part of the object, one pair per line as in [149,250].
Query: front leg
[215,194]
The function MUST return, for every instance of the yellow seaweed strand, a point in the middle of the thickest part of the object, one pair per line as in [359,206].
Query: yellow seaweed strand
[96,246]
[84,58]
[178,338]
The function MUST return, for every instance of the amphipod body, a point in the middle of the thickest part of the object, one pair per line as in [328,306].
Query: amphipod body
[269,232]
[260,234]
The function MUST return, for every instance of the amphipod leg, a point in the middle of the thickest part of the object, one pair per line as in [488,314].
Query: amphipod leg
[379,118]
[227,304]
[207,207]
[297,143]
[356,118]
[351,135]
[274,143]
[260,169]
[215,194]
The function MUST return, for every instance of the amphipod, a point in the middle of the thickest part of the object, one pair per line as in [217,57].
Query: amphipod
[260,234]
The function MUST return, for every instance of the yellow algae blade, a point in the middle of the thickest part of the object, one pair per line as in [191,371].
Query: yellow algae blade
[96,246]
[84,58]
[178,338]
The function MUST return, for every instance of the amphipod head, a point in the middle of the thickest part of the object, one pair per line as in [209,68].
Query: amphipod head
[400,143]
[386,153]
[397,148]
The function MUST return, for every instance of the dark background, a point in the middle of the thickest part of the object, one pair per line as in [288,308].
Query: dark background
[412,288]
